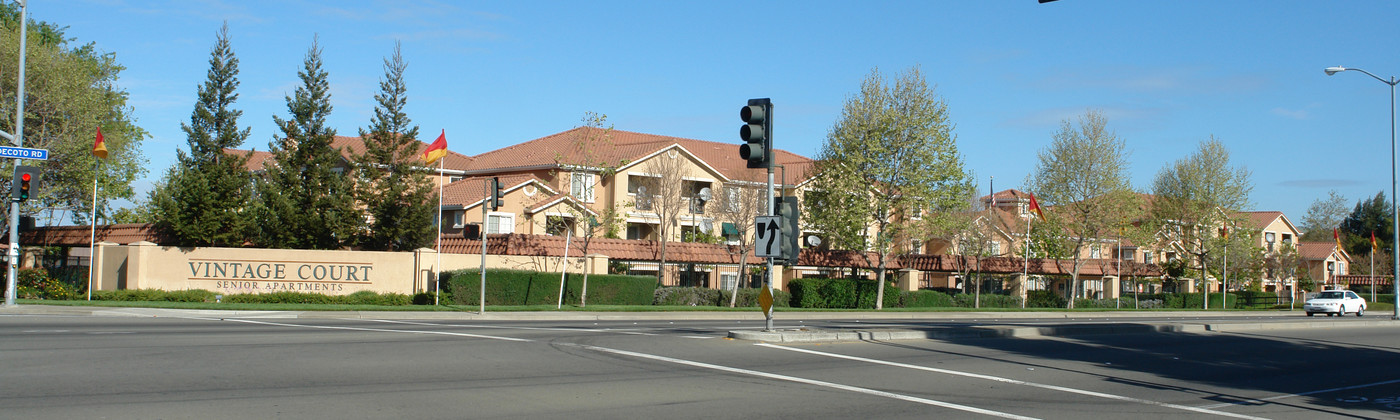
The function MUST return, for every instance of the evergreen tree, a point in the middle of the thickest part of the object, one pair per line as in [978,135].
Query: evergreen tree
[394,188]
[1368,216]
[304,198]
[203,200]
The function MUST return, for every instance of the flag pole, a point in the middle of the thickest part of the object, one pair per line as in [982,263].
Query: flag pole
[437,268]
[92,236]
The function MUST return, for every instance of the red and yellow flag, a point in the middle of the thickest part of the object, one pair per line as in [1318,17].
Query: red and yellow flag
[1373,240]
[99,147]
[436,150]
[1337,237]
[1035,207]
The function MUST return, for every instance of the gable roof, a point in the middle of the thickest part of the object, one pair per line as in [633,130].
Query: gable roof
[1258,220]
[588,146]
[470,192]
[1317,251]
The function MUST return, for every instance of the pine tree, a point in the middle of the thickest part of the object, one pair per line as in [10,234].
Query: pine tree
[394,188]
[204,198]
[304,198]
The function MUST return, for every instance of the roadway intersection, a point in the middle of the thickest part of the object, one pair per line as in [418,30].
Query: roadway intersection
[140,363]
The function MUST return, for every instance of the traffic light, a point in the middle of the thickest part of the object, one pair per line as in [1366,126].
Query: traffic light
[23,184]
[786,207]
[757,133]
[496,199]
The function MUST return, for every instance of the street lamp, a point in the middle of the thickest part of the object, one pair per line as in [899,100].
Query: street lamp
[1394,210]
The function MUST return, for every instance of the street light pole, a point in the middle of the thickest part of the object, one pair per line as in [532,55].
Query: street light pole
[1394,206]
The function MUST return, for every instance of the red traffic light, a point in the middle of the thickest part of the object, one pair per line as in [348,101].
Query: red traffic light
[24,177]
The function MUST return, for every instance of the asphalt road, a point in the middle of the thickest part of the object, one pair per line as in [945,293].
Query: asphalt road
[210,366]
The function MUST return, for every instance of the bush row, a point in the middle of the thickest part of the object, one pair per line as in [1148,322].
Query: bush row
[696,296]
[839,293]
[148,295]
[519,287]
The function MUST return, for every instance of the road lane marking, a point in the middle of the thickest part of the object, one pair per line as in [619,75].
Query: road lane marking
[328,327]
[1014,381]
[1300,394]
[669,360]
[824,384]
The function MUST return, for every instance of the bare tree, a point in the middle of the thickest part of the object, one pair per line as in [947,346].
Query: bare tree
[1192,198]
[663,191]
[740,204]
[587,158]
[1324,215]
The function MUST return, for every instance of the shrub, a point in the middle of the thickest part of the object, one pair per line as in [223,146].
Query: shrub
[839,293]
[1125,302]
[518,287]
[926,299]
[36,283]
[1045,299]
[687,296]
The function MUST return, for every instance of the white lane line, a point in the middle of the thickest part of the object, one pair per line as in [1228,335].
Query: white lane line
[1016,381]
[327,327]
[805,381]
[1300,394]
[672,360]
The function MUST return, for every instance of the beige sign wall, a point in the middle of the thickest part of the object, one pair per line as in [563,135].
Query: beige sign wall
[145,265]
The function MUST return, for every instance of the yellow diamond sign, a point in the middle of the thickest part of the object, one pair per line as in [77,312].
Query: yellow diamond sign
[765,299]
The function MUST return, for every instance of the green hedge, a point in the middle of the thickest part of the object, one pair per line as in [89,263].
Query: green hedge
[839,293]
[967,300]
[1125,302]
[1045,299]
[925,299]
[696,296]
[150,295]
[518,288]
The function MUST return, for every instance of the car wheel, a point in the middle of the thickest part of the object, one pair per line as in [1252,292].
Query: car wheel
[1310,314]
[1360,310]
[1341,310]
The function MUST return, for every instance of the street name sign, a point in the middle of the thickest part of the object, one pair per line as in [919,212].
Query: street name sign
[23,153]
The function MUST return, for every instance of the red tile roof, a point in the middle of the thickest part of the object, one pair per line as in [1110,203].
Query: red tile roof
[1319,250]
[79,235]
[468,192]
[585,146]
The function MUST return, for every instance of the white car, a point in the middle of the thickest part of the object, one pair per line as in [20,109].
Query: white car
[1337,302]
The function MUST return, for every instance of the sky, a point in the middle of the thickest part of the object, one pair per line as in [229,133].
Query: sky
[1166,74]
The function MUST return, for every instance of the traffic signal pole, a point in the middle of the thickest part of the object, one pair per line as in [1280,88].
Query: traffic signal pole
[12,268]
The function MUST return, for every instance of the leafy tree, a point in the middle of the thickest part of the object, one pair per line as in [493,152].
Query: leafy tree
[70,92]
[393,187]
[1323,216]
[1194,195]
[891,154]
[306,198]
[203,200]
[1284,264]
[1368,216]
[1083,177]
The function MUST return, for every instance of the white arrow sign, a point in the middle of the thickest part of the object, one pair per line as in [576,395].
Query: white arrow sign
[768,237]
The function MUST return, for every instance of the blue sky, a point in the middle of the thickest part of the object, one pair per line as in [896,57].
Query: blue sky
[1167,74]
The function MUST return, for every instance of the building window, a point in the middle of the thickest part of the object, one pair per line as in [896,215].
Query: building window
[698,193]
[727,280]
[642,188]
[732,196]
[558,225]
[581,186]
[917,246]
[639,231]
[1269,240]
[457,217]
[1147,257]
[996,248]
[500,223]
[1095,252]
